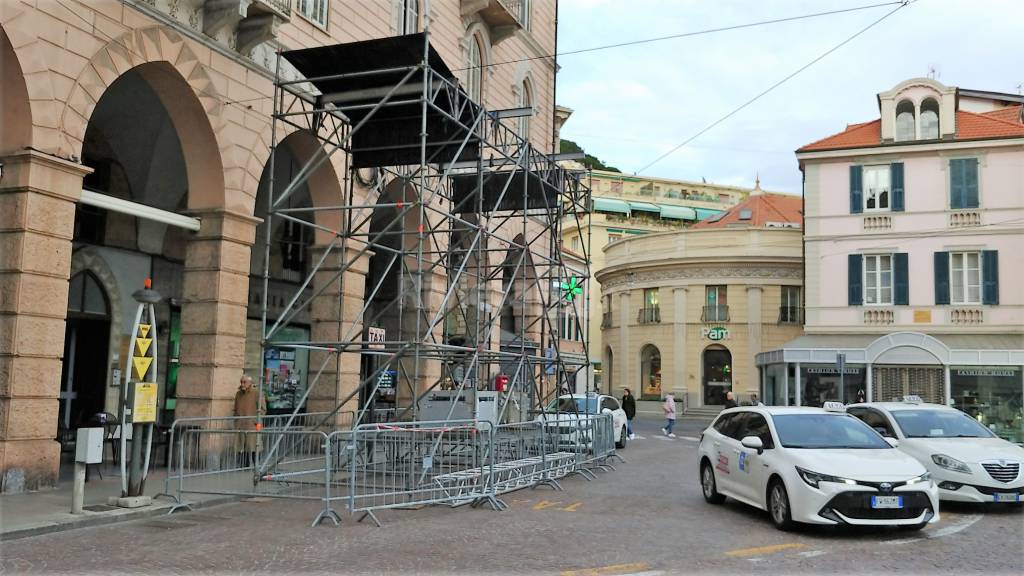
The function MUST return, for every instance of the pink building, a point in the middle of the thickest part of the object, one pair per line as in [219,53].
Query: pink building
[914,229]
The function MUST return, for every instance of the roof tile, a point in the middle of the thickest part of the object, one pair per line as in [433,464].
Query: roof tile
[764,208]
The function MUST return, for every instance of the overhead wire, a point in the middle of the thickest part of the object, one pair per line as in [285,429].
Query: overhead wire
[902,4]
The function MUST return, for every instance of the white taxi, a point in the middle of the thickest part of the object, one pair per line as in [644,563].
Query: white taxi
[815,466]
[569,411]
[967,461]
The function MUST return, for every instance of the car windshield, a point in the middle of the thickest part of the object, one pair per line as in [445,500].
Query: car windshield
[586,405]
[826,431]
[939,424]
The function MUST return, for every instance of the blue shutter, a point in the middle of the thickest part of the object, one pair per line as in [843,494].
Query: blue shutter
[956,183]
[854,280]
[970,188]
[901,279]
[941,278]
[896,186]
[856,189]
[990,277]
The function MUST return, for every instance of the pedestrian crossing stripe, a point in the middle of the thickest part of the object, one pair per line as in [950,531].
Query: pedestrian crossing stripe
[141,366]
[142,345]
[144,330]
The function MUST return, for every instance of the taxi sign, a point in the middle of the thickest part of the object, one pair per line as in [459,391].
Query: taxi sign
[834,406]
[913,399]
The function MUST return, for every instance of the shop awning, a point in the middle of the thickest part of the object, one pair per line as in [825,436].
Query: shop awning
[678,212]
[645,207]
[705,213]
[611,205]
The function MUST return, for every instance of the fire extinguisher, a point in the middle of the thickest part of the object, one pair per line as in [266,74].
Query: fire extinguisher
[500,382]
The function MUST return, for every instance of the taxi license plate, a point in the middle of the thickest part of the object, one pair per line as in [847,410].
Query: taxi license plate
[887,501]
[1007,497]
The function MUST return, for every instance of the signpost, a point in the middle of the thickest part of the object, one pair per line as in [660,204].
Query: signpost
[139,399]
[841,366]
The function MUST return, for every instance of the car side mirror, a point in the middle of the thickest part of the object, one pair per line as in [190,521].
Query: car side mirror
[892,441]
[753,442]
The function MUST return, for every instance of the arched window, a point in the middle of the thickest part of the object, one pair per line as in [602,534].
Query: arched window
[929,119]
[525,101]
[410,17]
[86,296]
[475,74]
[905,125]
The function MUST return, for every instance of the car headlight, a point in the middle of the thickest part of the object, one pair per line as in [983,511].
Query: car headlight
[813,478]
[950,463]
[917,480]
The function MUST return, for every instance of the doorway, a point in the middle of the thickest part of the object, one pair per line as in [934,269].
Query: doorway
[717,375]
[86,353]
[650,373]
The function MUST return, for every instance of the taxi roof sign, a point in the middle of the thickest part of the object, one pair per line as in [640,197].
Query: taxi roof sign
[913,399]
[834,406]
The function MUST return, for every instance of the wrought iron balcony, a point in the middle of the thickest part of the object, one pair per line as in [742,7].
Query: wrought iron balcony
[254,21]
[649,315]
[791,315]
[715,314]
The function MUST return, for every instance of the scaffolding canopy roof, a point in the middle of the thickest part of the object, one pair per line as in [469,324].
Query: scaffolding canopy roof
[357,75]
[539,194]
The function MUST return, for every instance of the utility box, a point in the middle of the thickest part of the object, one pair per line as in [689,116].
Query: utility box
[438,405]
[89,447]
[487,406]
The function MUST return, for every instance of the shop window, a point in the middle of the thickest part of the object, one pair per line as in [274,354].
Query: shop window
[822,383]
[992,396]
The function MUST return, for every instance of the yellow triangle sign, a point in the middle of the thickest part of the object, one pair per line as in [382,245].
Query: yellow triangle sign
[141,366]
[142,345]
[144,331]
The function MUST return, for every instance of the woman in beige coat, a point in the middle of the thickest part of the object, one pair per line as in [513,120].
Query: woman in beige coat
[248,403]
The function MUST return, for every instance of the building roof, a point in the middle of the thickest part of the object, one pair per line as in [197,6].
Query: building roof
[1001,123]
[760,210]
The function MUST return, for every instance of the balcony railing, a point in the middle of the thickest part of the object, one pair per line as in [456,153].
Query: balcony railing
[503,16]
[715,313]
[791,315]
[649,315]
[606,320]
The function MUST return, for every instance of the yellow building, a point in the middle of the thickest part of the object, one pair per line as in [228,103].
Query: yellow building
[627,206]
[686,311]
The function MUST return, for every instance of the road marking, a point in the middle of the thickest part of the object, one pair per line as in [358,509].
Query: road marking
[812,553]
[960,526]
[617,569]
[573,507]
[638,437]
[690,438]
[741,552]
[544,504]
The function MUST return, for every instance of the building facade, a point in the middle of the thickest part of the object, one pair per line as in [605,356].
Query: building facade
[686,311]
[165,107]
[625,206]
[914,224]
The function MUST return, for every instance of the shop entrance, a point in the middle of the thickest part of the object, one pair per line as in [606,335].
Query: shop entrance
[895,382]
[717,375]
[650,373]
[86,344]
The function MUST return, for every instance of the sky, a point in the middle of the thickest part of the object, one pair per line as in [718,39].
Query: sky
[635,103]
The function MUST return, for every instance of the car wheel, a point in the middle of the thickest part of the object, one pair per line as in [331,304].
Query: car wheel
[778,506]
[622,439]
[708,484]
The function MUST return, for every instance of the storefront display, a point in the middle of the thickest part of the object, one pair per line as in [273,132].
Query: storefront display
[285,371]
[822,383]
[993,396]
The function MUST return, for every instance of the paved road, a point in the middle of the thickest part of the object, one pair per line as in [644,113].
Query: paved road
[646,517]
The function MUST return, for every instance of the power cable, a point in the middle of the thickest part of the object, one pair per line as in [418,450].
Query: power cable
[902,4]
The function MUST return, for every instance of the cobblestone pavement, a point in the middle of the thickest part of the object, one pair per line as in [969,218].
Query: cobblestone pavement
[646,517]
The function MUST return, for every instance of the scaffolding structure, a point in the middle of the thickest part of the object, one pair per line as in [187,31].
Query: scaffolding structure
[456,220]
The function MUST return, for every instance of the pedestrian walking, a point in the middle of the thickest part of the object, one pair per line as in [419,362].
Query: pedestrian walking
[629,407]
[669,407]
[248,403]
[730,401]
[754,400]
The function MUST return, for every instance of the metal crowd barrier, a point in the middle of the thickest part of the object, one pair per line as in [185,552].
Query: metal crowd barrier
[380,465]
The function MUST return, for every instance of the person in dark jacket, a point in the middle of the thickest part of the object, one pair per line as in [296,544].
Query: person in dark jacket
[730,401]
[629,407]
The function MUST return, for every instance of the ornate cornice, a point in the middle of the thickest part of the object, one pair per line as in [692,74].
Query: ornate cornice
[703,272]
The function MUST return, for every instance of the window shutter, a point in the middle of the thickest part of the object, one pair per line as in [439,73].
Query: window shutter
[896,185]
[901,279]
[941,278]
[956,184]
[990,277]
[856,194]
[854,279]
[970,187]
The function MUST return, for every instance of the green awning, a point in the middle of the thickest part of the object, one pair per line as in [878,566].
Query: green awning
[678,212]
[611,205]
[645,207]
[704,213]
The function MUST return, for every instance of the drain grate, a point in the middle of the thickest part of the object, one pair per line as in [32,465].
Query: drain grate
[99,508]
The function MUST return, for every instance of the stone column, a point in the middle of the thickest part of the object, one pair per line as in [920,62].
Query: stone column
[38,193]
[754,315]
[679,383]
[335,317]
[215,293]
[625,356]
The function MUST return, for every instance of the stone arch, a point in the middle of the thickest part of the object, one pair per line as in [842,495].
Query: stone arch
[929,344]
[163,58]
[15,110]
[89,259]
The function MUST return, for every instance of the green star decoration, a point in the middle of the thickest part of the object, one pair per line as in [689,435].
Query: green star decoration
[573,289]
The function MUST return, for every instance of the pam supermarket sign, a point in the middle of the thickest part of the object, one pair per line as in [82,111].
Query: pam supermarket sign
[715,334]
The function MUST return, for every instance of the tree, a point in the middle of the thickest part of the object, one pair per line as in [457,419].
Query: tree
[592,162]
